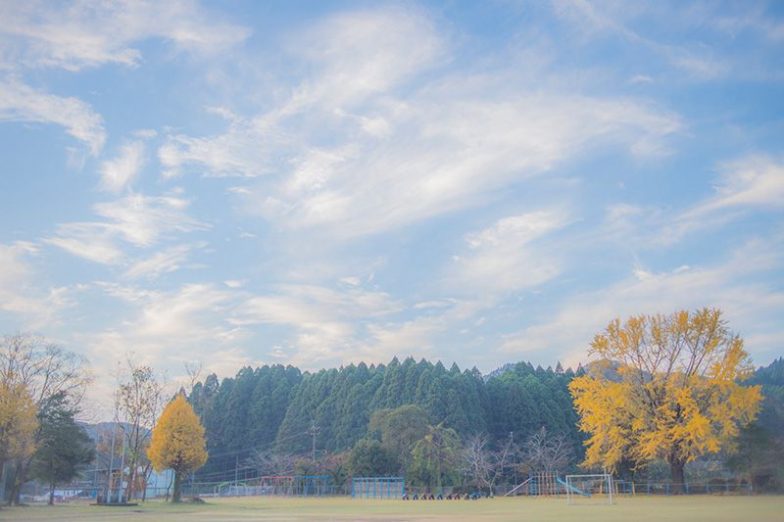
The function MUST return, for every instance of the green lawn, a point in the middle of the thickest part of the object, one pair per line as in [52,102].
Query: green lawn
[639,509]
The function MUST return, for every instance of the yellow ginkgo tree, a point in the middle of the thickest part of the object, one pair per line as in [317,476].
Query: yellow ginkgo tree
[664,387]
[177,442]
[18,421]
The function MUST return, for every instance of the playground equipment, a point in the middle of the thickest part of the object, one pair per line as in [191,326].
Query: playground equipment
[540,485]
[577,488]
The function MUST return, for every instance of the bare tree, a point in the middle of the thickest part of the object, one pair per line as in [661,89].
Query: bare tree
[271,463]
[46,370]
[140,395]
[484,466]
[546,452]
[193,369]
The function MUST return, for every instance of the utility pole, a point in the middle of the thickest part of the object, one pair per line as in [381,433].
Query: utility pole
[122,468]
[313,431]
[109,483]
[511,442]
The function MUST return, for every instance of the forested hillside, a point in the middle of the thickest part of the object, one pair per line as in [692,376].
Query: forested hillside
[273,408]
[265,418]
[760,453]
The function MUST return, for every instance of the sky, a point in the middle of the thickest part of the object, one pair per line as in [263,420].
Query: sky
[321,183]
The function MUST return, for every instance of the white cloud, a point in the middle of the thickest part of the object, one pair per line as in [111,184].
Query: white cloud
[92,33]
[20,102]
[746,185]
[380,151]
[163,262]
[19,293]
[183,315]
[748,17]
[733,286]
[324,320]
[310,304]
[167,329]
[401,339]
[425,335]
[141,221]
[118,173]
[596,19]
[164,325]
[756,181]
[242,151]
[446,150]
[504,258]
[360,53]
[639,79]
[351,281]
[351,56]
[91,241]
[14,271]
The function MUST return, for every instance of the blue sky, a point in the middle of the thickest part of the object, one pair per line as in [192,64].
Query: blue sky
[320,183]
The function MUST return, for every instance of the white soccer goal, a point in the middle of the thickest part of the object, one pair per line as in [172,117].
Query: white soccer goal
[589,489]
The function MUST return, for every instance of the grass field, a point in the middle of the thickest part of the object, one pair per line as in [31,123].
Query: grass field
[654,509]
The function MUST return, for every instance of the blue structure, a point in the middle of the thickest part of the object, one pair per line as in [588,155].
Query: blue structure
[378,487]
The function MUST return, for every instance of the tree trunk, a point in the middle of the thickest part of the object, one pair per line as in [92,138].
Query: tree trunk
[129,491]
[20,477]
[177,484]
[51,494]
[146,477]
[677,476]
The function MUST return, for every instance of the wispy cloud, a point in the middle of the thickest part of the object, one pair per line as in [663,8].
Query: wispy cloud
[20,102]
[751,182]
[165,329]
[92,33]
[31,305]
[163,262]
[119,172]
[595,19]
[138,220]
[732,285]
[324,319]
[502,259]
[449,143]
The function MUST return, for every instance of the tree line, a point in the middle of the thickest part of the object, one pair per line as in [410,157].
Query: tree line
[665,390]
[279,409]
[673,391]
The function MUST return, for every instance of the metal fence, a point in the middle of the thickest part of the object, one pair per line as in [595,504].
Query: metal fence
[318,486]
[713,487]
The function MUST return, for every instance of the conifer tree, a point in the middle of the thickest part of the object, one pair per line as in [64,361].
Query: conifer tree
[64,447]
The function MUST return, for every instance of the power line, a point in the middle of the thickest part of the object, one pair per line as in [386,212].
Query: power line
[258,448]
[235,469]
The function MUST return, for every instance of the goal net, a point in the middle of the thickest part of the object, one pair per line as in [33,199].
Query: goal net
[589,489]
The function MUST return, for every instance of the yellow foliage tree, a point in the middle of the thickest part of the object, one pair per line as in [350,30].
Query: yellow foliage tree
[664,387]
[177,442]
[18,421]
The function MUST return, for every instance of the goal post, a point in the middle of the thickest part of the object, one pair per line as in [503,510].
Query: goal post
[589,489]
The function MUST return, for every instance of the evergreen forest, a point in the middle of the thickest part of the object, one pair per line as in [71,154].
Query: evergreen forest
[275,419]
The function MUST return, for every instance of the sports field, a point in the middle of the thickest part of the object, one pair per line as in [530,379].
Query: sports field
[654,509]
